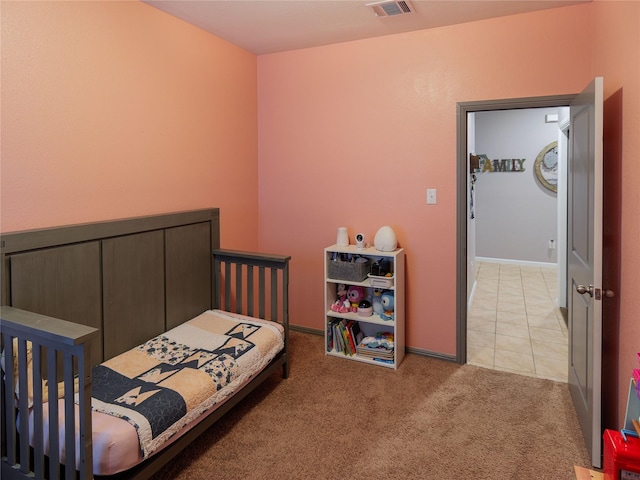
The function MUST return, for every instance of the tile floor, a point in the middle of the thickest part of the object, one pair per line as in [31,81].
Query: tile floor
[514,324]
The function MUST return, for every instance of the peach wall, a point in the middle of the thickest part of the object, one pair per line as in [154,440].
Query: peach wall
[616,57]
[115,109]
[354,134]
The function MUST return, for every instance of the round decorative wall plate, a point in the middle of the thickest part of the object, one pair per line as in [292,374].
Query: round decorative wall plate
[546,167]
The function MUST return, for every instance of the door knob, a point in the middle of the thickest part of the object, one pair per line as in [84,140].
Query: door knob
[581,289]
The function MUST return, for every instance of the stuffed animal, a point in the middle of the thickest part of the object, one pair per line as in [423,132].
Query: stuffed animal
[342,303]
[388,305]
[355,294]
[376,300]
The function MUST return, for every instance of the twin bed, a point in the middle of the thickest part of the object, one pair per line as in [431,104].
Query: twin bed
[122,341]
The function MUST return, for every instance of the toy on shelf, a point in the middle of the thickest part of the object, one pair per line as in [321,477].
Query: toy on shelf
[355,294]
[381,267]
[387,304]
[342,303]
[376,301]
[364,308]
[636,379]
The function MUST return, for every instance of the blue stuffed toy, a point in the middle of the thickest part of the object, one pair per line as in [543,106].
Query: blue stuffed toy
[387,304]
[376,300]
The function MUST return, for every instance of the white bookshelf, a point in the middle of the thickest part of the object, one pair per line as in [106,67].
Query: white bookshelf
[369,325]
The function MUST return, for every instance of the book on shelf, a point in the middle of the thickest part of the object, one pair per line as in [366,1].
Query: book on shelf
[375,352]
[346,337]
[340,345]
[343,336]
[356,334]
[380,346]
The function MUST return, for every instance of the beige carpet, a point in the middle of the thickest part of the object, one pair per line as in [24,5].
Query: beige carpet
[430,419]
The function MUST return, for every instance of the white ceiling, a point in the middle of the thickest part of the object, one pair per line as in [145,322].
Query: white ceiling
[269,26]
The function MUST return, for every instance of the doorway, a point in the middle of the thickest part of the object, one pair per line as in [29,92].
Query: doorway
[464,280]
[514,322]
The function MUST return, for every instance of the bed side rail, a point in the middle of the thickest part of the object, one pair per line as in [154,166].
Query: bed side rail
[50,349]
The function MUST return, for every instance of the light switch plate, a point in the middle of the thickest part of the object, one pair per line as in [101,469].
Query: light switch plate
[431,196]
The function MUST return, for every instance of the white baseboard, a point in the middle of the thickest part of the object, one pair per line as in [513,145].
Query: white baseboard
[516,262]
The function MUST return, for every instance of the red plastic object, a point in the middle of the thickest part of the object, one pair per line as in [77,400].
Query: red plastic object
[621,459]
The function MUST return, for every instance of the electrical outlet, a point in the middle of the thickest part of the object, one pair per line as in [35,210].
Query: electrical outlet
[552,244]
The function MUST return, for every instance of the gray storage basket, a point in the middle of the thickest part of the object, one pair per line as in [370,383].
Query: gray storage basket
[349,271]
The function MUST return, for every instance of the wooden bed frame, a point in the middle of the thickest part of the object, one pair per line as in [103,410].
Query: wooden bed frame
[85,293]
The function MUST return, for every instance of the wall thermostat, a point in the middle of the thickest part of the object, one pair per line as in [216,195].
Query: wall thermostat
[360,240]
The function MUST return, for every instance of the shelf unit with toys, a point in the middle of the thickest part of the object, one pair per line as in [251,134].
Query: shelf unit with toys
[370,332]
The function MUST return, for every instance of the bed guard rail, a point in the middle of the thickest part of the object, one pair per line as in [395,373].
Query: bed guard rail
[242,268]
[241,284]
[43,350]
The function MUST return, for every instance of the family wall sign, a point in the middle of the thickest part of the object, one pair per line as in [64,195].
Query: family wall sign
[482,164]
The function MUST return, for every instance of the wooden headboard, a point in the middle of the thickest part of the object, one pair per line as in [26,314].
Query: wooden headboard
[131,279]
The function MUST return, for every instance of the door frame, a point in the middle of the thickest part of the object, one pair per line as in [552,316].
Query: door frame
[462,109]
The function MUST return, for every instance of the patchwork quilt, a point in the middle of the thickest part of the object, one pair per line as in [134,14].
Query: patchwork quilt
[169,381]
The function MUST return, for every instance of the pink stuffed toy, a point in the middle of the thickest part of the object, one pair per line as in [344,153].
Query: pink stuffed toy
[342,303]
[355,295]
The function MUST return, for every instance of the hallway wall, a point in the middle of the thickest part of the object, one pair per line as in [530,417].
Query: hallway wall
[516,215]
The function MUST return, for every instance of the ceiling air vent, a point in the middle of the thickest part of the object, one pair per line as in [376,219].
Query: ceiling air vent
[390,8]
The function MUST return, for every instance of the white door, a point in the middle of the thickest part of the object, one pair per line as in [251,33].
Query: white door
[584,257]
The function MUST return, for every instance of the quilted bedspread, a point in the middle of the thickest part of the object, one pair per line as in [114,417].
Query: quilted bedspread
[169,381]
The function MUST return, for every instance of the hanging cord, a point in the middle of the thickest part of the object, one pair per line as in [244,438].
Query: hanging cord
[472,207]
